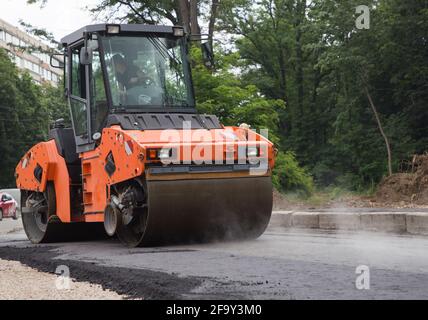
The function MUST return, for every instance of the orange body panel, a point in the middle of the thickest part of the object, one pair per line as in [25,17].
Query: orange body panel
[193,144]
[96,180]
[131,160]
[45,154]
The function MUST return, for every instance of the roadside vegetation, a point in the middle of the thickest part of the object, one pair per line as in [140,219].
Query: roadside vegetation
[323,197]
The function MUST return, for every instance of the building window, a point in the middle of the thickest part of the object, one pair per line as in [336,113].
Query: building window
[18,61]
[15,41]
[8,38]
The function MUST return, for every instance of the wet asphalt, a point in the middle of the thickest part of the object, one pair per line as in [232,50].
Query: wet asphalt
[282,264]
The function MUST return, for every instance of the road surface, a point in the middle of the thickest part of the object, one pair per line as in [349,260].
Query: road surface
[282,264]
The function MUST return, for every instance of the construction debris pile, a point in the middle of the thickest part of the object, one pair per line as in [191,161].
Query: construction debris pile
[409,187]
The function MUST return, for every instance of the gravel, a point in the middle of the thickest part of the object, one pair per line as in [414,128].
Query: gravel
[18,282]
[130,283]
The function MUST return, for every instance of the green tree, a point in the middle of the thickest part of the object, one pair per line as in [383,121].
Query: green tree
[8,101]
[224,94]
[53,99]
[368,68]
[273,37]
[235,102]
[27,110]
[331,75]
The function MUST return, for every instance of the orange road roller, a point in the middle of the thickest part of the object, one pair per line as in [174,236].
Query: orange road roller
[140,162]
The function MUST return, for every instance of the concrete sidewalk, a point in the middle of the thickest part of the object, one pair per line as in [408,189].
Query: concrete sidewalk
[381,221]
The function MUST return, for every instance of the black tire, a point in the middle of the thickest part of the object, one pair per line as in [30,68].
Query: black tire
[131,235]
[50,229]
[1,214]
[36,223]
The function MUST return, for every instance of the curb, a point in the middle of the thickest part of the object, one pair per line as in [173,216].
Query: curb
[415,223]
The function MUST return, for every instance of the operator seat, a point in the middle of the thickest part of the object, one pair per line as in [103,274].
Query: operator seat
[66,145]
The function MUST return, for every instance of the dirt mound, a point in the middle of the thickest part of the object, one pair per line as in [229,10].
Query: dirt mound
[411,187]
[396,188]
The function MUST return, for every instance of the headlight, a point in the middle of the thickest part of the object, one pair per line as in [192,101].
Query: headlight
[165,153]
[178,31]
[113,29]
[252,152]
[159,154]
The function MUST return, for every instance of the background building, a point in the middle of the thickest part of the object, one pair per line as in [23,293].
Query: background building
[36,63]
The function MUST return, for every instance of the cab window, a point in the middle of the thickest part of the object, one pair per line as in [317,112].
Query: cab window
[78,94]
[78,85]
[99,106]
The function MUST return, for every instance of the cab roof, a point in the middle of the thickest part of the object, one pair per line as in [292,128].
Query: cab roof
[102,28]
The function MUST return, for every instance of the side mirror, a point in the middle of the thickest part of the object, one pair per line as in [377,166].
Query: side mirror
[208,54]
[59,123]
[57,61]
[86,55]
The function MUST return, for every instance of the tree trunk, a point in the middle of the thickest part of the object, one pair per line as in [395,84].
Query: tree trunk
[213,18]
[388,146]
[184,14]
[300,16]
[299,71]
[188,16]
[285,125]
[283,75]
[194,24]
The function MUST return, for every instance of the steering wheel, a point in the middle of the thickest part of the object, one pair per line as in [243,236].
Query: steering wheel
[147,81]
[144,99]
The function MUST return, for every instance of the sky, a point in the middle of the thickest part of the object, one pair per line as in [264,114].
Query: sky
[60,17]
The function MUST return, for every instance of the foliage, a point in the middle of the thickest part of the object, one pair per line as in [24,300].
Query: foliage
[289,176]
[224,94]
[27,110]
[311,55]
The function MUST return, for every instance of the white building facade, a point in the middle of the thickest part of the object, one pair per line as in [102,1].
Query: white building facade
[36,63]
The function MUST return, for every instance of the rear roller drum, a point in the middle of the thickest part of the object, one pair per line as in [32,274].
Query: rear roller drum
[37,208]
[43,226]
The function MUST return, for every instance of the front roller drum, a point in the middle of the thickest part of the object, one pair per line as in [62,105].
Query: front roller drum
[202,210]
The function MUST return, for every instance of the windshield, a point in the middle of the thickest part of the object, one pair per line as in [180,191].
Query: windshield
[147,72]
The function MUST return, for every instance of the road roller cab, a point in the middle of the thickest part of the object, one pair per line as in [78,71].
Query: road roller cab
[139,159]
